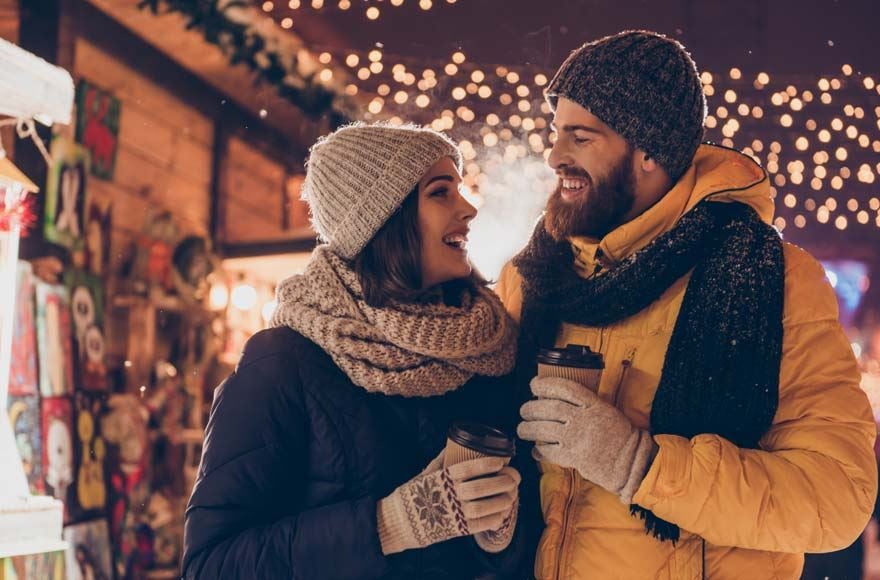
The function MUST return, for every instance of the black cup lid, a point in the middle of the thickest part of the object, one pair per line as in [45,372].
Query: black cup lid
[573,355]
[483,438]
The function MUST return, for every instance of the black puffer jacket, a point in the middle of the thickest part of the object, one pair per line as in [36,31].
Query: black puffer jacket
[296,457]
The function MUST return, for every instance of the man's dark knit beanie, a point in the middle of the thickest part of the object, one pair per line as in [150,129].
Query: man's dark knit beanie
[644,86]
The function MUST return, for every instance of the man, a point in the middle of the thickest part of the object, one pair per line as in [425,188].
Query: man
[729,434]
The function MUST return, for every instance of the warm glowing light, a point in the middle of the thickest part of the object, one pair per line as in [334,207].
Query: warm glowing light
[244,297]
[268,310]
[218,297]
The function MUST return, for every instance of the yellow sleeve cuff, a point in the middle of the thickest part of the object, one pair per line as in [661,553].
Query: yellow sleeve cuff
[669,474]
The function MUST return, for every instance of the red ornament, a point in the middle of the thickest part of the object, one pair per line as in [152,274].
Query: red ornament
[21,212]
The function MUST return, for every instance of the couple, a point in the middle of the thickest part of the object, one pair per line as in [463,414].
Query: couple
[728,436]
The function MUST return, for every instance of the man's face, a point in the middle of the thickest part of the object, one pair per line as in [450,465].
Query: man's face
[595,192]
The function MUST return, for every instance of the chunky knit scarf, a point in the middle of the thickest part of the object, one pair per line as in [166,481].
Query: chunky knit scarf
[413,350]
[721,371]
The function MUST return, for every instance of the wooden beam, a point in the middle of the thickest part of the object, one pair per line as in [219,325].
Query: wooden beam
[251,249]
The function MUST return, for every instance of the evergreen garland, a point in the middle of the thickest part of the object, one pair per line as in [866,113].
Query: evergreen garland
[246,36]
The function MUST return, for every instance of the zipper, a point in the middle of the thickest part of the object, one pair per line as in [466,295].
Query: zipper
[626,363]
[572,481]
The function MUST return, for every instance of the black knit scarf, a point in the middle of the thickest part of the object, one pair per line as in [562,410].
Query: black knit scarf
[721,371]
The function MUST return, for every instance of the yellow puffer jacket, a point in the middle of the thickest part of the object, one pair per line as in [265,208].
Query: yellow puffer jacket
[743,513]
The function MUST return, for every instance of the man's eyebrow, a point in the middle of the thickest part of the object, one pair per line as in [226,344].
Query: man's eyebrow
[573,128]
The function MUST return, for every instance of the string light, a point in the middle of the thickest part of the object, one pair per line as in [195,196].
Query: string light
[813,152]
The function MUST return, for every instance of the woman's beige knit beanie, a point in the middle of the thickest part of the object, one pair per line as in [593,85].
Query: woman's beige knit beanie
[359,175]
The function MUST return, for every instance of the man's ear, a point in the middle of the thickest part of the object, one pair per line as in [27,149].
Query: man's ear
[646,163]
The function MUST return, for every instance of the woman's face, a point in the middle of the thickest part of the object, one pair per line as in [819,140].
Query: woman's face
[444,215]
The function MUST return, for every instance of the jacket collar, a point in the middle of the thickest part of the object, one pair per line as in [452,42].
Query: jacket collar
[718,173]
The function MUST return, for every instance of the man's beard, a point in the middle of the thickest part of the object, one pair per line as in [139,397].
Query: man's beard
[601,209]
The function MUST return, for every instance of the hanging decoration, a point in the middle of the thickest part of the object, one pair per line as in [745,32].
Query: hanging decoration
[97,127]
[67,194]
[276,56]
[15,210]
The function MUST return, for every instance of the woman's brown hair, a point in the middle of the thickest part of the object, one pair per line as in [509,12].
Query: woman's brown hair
[389,267]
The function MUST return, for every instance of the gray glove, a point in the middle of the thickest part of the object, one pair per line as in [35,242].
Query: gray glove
[573,427]
[466,498]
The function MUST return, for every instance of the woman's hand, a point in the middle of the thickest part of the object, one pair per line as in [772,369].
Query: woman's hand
[463,499]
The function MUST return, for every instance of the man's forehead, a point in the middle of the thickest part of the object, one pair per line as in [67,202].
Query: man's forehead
[572,116]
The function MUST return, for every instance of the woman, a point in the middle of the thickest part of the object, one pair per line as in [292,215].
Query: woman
[323,456]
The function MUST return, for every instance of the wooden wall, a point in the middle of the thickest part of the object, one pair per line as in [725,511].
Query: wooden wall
[9,31]
[9,20]
[254,194]
[164,155]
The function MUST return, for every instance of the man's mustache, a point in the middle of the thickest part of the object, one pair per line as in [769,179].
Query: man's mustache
[574,173]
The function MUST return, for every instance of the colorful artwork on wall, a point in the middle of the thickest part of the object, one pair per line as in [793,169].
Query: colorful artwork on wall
[97,126]
[64,218]
[23,371]
[56,421]
[45,566]
[96,250]
[125,429]
[54,340]
[24,416]
[88,551]
[87,311]
[88,495]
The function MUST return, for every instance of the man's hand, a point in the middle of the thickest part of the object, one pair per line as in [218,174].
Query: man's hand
[572,427]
